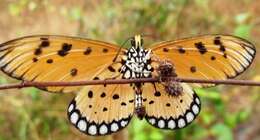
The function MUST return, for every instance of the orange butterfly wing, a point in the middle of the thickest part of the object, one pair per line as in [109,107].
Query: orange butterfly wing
[56,58]
[208,56]
[102,110]
[170,112]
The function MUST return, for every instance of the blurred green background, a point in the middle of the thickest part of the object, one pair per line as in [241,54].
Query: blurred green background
[228,112]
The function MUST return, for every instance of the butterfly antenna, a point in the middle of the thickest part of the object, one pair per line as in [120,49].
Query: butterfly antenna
[121,46]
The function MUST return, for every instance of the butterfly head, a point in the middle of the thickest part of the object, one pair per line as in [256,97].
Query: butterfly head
[137,41]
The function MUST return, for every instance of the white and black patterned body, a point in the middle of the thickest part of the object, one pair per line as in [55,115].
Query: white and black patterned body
[137,64]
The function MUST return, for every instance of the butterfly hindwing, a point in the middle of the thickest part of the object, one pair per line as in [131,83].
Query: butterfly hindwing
[208,56]
[170,112]
[56,58]
[101,110]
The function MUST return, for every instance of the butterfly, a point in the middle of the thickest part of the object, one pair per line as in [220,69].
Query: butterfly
[105,109]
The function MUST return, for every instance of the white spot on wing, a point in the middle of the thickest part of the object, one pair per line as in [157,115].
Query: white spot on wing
[161,123]
[74,117]
[195,109]
[197,100]
[114,127]
[171,124]
[92,130]
[152,121]
[71,107]
[189,117]
[181,123]
[103,129]
[123,123]
[82,125]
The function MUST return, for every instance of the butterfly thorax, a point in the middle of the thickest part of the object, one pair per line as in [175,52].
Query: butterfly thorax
[137,62]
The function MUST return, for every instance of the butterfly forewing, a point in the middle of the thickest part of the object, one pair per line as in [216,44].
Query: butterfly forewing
[56,58]
[207,57]
[101,110]
[170,112]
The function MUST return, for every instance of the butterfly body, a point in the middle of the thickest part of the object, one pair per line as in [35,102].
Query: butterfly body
[137,61]
[105,109]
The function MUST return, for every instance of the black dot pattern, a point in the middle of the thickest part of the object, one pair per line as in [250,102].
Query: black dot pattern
[213,58]
[157,94]
[200,46]
[34,59]
[115,96]
[64,49]
[44,43]
[105,50]
[103,95]
[38,51]
[49,61]
[88,51]
[181,50]
[90,94]
[193,69]
[73,72]
[165,49]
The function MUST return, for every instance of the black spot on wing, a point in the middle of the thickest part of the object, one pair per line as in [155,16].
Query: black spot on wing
[105,50]
[104,109]
[225,55]
[218,42]
[34,59]
[73,72]
[157,94]
[123,104]
[49,61]
[165,49]
[111,69]
[151,102]
[193,69]
[103,95]
[200,46]
[95,78]
[44,43]
[90,94]
[87,51]
[62,53]
[38,51]
[213,58]
[181,50]
[131,101]
[64,49]
[115,96]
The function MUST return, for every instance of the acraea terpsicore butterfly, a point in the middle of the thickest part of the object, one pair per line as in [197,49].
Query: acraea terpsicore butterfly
[104,109]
